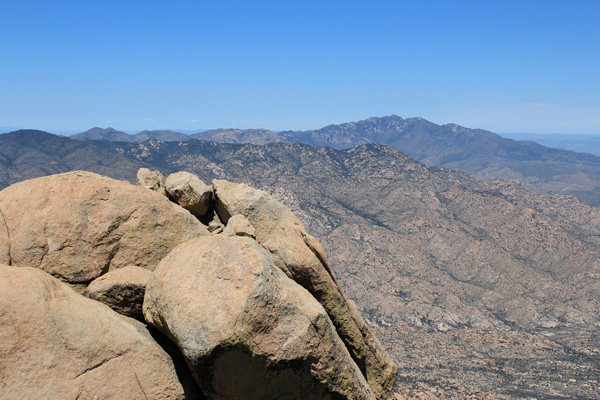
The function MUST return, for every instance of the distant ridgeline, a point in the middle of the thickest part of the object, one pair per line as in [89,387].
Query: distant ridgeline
[480,153]
[580,143]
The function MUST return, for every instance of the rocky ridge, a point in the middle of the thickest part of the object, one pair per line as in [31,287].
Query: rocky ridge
[246,318]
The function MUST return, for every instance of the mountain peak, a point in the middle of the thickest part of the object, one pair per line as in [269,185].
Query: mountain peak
[105,134]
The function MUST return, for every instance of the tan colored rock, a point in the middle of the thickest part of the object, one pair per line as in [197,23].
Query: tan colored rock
[239,226]
[79,225]
[246,330]
[215,226]
[189,192]
[57,344]
[152,180]
[122,290]
[303,259]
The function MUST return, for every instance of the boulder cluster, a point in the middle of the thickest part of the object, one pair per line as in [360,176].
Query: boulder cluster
[172,289]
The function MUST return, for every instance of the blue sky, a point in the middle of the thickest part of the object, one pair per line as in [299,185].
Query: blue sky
[505,66]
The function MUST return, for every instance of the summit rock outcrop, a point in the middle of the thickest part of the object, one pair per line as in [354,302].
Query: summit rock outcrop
[251,310]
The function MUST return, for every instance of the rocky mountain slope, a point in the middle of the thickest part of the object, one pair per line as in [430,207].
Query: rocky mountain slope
[109,134]
[476,288]
[478,152]
[30,154]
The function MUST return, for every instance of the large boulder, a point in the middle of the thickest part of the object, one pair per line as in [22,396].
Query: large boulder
[189,192]
[122,290]
[303,259]
[247,331]
[80,225]
[57,344]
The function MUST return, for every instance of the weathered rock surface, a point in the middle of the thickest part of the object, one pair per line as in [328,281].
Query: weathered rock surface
[303,258]
[239,226]
[215,226]
[56,344]
[246,329]
[122,290]
[152,180]
[189,192]
[80,225]
[4,241]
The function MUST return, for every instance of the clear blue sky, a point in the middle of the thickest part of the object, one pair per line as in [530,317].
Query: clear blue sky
[505,66]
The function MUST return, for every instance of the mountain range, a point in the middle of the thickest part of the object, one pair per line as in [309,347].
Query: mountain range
[111,134]
[478,288]
[481,153]
[575,142]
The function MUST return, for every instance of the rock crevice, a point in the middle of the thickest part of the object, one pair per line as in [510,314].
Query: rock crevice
[4,241]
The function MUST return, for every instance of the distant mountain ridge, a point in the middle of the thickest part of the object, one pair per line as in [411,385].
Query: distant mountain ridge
[27,154]
[574,142]
[479,152]
[108,134]
[113,135]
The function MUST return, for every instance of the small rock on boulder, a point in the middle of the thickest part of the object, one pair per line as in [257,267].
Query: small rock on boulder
[57,344]
[215,226]
[239,226]
[247,331]
[152,180]
[122,290]
[189,192]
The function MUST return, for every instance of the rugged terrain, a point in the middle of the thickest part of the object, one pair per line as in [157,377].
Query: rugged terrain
[30,154]
[481,153]
[476,288]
